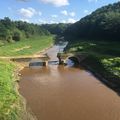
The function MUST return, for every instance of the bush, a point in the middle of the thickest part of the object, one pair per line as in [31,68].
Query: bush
[113,65]
[16,35]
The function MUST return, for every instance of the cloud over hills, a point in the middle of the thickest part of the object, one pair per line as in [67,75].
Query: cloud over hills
[28,12]
[57,3]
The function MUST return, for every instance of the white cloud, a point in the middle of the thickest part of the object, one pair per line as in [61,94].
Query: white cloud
[54,16]
[72,14]
[42,21]
[52,22]
[92,0]
[64,12]
[39,13]
[28,12]
[57,3]
[71,20]
[87,12]
[63,21]
[25,20]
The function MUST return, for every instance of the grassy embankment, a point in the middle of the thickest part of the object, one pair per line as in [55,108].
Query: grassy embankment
[26,46]
[11,104]
[103,58]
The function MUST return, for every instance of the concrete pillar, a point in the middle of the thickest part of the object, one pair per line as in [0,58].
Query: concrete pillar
[45,63]
[59,58]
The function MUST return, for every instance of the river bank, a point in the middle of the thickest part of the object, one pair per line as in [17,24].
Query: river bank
[103,60]
[59,92]
[26,47]
[93,65]
[13,106]
[48,76]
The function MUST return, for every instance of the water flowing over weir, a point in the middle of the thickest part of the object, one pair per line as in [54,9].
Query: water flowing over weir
[60,92]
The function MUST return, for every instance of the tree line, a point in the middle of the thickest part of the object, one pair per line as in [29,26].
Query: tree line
[104,23]
[57,29]
[16,30]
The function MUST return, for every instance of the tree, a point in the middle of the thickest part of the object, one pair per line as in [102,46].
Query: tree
[104,23]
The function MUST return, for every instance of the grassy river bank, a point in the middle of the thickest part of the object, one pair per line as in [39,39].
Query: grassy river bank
[12,105]
[103,59]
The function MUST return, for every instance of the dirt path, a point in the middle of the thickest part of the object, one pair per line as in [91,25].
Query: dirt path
[39,54]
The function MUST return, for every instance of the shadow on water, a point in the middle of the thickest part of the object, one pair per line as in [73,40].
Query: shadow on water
[36,70]
[113,86]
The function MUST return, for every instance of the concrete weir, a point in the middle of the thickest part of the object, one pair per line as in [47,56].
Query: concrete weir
[77,58]
[38,63]
[38,60]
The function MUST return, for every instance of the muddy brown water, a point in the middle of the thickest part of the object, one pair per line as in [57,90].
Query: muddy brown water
[66,93]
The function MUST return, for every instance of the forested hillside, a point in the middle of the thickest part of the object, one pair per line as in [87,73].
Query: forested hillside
[15,31]
[104,23]
[57,29]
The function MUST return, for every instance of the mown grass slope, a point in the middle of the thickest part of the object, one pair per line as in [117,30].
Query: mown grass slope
[26,46]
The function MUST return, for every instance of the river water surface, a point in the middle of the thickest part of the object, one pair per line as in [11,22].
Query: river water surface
[66,93]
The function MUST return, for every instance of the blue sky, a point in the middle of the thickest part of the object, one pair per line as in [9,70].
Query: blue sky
[49,11]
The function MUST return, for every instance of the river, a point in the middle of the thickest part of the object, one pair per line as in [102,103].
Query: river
[67,93]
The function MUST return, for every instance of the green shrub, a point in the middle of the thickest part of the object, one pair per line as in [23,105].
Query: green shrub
[17,35]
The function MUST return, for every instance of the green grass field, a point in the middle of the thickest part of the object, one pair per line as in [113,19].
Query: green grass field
[26,46]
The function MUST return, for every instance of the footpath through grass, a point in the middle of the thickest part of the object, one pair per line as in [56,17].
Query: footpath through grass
[103,57]
[26,46]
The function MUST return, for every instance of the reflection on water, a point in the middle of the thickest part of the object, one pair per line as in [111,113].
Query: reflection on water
[39,64]
[70,63]
[53,62]
[66,93]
